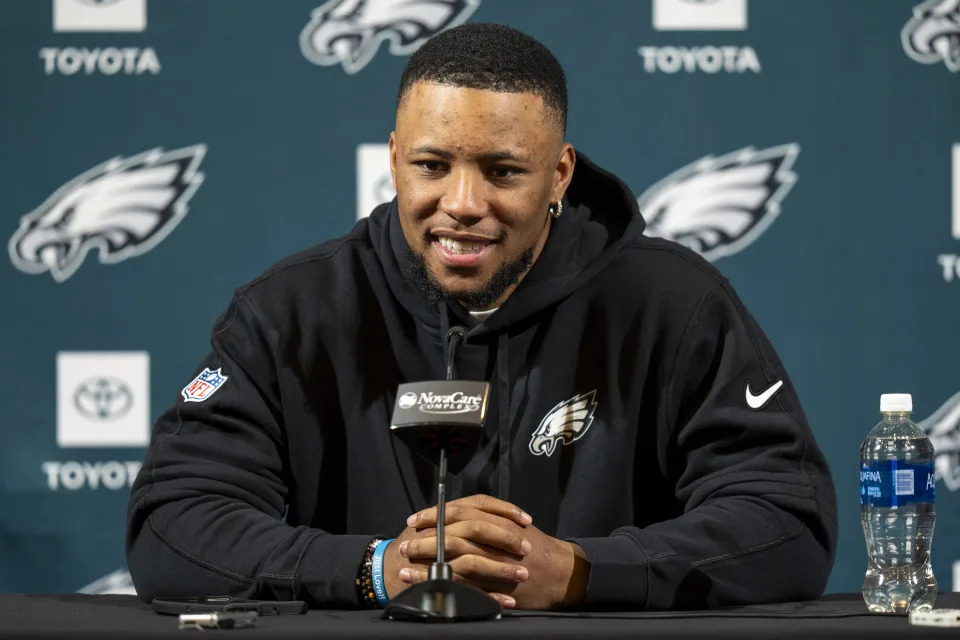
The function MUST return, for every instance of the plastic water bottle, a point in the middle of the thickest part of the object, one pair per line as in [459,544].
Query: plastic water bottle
[897,510]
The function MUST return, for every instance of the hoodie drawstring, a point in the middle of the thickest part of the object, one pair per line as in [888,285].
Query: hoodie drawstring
[503,370]
[444,327]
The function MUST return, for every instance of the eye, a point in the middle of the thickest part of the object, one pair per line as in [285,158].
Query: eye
[66,218]
[504,172]
[431,166]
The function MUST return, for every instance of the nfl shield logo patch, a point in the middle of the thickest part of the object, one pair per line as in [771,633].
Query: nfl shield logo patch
[203,386]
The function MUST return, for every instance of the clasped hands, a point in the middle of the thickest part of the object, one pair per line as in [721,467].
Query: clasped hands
[493,545]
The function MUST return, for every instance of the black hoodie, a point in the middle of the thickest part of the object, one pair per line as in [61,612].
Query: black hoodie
[621,368]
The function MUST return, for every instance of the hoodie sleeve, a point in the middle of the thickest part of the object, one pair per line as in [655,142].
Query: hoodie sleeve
[206,513]
[759,519]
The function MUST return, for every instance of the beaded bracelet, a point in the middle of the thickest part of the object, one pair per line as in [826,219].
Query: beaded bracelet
[365,578]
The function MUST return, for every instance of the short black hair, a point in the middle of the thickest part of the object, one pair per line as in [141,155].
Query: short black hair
[489,56]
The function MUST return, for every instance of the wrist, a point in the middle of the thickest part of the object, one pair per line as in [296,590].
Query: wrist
[370,579]
[578,577]
[391,570]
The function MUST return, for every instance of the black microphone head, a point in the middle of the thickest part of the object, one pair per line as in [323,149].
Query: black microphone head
[441,414]
[452,344]
[457,330]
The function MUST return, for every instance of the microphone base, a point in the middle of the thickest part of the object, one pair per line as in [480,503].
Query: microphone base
[442,600]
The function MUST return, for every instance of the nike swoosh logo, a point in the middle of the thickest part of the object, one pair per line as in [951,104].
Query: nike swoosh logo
[756,402]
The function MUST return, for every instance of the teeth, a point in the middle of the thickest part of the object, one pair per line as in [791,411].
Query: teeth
[454,246]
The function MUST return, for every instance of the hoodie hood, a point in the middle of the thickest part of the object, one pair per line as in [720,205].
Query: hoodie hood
[600,215]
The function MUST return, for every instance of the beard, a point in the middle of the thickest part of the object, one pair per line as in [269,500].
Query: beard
[506,275]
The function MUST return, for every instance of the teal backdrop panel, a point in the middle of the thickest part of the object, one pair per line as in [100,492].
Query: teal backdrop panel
[156,154]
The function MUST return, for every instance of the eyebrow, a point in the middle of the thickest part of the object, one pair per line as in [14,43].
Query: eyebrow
[493,155]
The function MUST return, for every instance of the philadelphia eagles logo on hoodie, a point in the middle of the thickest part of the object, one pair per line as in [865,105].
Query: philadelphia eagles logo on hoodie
[349,32]
[943,429]
[122,208]
[564,424]
[719,206]
[932,35]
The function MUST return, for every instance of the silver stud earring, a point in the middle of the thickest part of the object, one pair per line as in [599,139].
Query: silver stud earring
[555,208]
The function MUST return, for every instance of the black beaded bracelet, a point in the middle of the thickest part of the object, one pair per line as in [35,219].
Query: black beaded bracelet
[365,577]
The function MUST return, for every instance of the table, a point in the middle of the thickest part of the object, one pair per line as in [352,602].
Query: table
[75,616]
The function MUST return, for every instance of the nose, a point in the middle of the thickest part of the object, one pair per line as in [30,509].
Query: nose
[463,195]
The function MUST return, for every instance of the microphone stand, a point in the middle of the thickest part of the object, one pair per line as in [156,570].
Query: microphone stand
[440,599]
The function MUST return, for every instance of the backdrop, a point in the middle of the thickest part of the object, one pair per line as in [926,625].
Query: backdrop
[156,154]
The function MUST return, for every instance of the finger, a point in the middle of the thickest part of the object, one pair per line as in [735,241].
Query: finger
[487,504]
[412,576]
[474,567]
[423,548]
[458,512]
[485,528]
[492,535]
[454,545]
[507,602]
[495,589]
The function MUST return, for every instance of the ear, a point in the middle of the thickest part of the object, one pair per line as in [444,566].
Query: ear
[563,172]
[393,158]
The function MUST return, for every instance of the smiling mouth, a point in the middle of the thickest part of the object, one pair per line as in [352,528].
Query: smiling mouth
[462,247]
[464,252]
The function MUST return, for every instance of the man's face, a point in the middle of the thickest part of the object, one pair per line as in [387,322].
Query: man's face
[475,171]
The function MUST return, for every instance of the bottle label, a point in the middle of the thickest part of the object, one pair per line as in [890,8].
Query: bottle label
[894,483]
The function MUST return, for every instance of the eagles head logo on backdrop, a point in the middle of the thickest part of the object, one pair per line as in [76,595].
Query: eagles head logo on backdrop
[718,206]
[123,207]
[349,32]
[117,582]
[932,35]
[943,429]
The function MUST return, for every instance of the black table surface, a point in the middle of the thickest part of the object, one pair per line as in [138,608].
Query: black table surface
[74,616]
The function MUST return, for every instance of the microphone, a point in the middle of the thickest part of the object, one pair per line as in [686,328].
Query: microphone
[442,421]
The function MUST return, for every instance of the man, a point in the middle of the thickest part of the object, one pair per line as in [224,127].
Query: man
[643,446]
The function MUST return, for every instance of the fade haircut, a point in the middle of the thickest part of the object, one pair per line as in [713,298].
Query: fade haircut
[492,57]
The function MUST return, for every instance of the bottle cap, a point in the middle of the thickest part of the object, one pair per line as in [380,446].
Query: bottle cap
[896,402]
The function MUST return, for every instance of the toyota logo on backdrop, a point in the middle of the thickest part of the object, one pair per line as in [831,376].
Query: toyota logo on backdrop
[103,399]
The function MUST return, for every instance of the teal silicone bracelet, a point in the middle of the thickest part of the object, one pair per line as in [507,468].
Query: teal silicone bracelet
[376,572]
